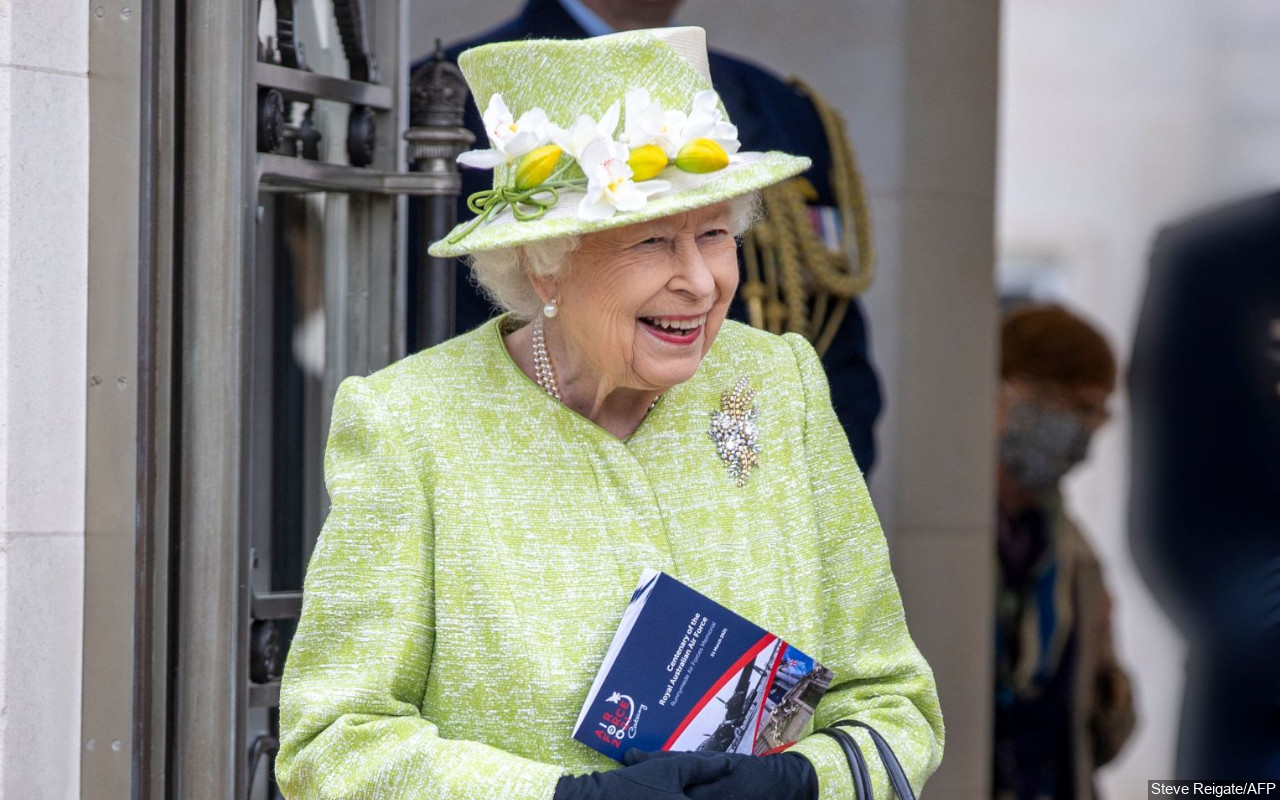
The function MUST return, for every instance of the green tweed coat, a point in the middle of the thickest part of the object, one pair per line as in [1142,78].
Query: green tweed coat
[484,541]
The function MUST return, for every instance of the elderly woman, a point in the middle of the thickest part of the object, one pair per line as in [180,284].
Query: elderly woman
[496,498]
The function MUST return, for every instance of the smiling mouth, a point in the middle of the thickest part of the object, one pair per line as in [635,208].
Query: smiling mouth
[676,330]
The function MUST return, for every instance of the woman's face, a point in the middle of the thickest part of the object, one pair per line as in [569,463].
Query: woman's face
[640,305]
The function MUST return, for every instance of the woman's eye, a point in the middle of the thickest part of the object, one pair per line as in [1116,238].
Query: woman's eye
[713,235]
[652,241]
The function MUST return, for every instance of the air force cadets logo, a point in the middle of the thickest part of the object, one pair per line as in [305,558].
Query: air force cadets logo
[620,723]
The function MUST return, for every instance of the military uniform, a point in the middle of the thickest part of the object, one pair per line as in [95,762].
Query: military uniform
[1205,385]
[770,115]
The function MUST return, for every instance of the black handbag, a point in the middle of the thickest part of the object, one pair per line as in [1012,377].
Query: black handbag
[858,765]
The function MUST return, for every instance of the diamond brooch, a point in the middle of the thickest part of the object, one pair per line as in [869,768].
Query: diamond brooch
[733,429]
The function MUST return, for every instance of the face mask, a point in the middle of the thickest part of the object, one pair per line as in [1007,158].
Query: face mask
[1041,445]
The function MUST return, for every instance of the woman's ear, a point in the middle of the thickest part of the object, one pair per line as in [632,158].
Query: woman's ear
[545,286]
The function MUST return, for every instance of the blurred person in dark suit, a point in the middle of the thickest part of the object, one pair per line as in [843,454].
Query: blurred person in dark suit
[1063,704]
[1205,385]
[771,114]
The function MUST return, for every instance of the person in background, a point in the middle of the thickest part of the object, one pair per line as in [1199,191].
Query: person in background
[1063,704]
[1205,506]
[771,114]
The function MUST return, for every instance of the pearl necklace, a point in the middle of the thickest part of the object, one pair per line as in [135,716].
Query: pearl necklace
[545,374]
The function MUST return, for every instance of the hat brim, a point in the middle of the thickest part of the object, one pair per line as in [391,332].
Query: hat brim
[746,173]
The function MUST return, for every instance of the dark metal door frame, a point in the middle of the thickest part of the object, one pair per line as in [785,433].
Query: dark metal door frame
[176,166]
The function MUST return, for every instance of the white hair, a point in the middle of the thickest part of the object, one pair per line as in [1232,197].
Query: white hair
[504,274]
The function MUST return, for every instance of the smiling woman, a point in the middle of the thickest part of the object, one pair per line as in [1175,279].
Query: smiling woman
[495,498]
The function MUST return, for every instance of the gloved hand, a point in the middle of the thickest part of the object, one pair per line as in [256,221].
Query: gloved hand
[782,776]
[668,778]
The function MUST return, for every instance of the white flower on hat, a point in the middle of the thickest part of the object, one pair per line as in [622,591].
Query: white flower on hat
[509,138]
[610,187]
[648,123]
[706,121]
[574,139]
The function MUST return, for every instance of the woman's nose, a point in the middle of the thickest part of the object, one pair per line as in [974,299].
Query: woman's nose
[692,273]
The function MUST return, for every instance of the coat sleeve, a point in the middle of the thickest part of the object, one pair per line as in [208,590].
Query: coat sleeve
[880,676]
[351,701]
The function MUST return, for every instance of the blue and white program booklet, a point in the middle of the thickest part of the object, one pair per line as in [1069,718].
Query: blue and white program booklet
[685,673]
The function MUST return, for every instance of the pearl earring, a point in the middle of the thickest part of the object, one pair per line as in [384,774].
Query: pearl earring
[551,309]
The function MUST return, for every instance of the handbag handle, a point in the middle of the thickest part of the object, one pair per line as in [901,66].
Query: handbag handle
[897,777]
[857,764]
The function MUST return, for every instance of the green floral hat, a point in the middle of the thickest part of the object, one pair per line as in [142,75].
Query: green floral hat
[591,134]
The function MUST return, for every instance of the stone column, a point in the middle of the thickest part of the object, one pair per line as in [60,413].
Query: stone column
[44,130]
[942,377]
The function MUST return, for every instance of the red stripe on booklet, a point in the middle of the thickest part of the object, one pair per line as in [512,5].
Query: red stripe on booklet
[773,673]
[737,667]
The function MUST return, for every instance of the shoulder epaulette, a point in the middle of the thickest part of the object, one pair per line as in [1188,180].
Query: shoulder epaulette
[805,264]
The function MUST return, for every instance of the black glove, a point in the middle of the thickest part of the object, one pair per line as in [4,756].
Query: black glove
[783,776]
[670,778]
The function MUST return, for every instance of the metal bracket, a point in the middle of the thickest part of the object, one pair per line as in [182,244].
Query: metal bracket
[297,84]
[276,605]
[299,176]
